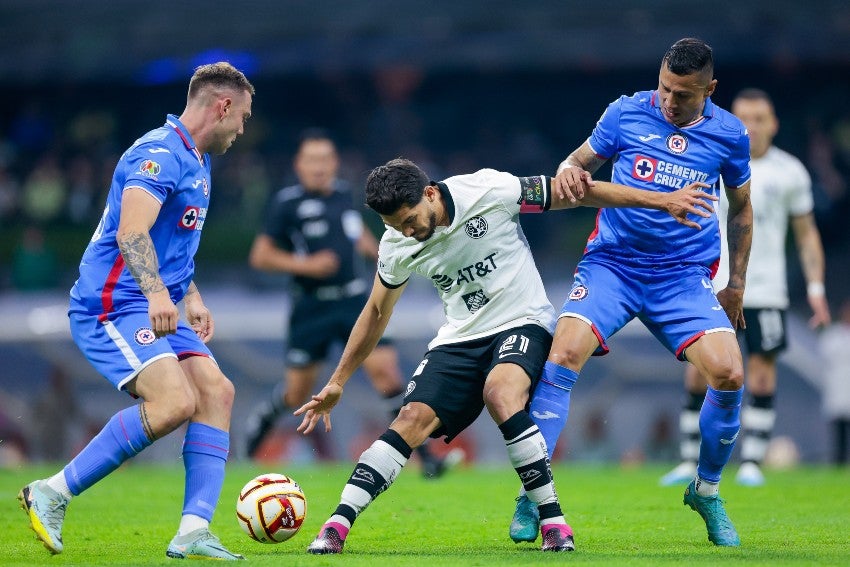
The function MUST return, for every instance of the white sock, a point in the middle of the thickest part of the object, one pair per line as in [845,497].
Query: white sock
[705,488]
[58,483]
[190,523]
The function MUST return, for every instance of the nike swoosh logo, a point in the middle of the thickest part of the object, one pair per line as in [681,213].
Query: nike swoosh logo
[545,415]
[504,354]
[649,137]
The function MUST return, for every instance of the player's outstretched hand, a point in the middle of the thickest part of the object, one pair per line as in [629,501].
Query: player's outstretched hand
[319,408]
[570,184]
[690,199]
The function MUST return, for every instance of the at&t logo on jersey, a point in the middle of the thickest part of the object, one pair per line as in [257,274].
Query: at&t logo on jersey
[665,173]
[476,227]
[193,218]
[144,336]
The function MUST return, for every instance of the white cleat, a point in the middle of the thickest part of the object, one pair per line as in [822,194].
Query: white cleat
[749,475]
[682,474]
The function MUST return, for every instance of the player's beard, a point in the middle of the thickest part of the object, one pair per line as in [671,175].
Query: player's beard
[432,227]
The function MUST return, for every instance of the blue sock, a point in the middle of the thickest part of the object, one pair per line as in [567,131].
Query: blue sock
[719,423]
[550,404]
[205,450]
[122,437]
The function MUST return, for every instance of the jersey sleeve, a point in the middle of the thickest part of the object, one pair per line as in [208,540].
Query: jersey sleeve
[390,270]
[735,171]
[605,138]
[154,169]
[801,200]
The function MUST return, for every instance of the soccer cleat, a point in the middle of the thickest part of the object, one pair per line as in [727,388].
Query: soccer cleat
[46,510]
[749,475]
[200,544]
[259,424]
[558,537]
[682,474]
[720,528]
[526,520]
[328,541]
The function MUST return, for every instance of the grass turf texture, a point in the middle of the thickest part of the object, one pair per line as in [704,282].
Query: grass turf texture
[620,517]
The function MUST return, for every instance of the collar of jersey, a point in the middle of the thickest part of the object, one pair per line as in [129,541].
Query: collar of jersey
[447,199]
[178,126]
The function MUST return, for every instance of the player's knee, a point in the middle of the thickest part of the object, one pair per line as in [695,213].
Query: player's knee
[414,416]
[567,356]
[725,373]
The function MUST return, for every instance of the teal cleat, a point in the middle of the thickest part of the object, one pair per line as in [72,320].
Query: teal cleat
[46,510]
[199,544]
[720,529]
[526,520]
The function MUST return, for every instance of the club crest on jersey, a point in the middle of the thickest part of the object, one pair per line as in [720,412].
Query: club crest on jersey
[677,143]
[150,168]
[476,227]
[410,387]
[578,293]
[144,336]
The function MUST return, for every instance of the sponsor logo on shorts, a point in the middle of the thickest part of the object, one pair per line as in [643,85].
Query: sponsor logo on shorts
[476,227]
[677,143]
[144,336]
[578,293]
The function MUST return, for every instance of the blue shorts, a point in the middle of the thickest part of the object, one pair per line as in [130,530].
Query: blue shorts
[119,348]
[677,304]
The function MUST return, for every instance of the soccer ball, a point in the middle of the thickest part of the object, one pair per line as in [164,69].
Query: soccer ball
[271,508]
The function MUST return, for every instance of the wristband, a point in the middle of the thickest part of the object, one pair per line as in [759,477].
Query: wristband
[816,289]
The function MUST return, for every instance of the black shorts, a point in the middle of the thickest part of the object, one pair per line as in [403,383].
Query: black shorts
[315,325]
[766,331]
[450,379]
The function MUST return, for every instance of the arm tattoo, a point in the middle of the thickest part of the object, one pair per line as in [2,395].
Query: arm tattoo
[191,290]
[146,424]
[140,256]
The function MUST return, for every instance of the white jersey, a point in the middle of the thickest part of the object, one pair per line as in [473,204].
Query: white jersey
[480,264]
[780,189]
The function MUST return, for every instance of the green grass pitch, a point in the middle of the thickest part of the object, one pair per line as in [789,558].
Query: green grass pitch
[620,517]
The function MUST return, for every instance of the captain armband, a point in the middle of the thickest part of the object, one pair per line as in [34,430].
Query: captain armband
[535,194]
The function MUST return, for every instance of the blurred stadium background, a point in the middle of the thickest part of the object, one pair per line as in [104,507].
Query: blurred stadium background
[455,86]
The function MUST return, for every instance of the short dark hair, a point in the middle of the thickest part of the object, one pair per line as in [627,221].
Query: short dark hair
[221,75]
[754,94]
[688,56]
[314,134]
[397,183]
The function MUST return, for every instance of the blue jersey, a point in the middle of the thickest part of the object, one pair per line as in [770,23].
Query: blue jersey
[165,163]
[653,154]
